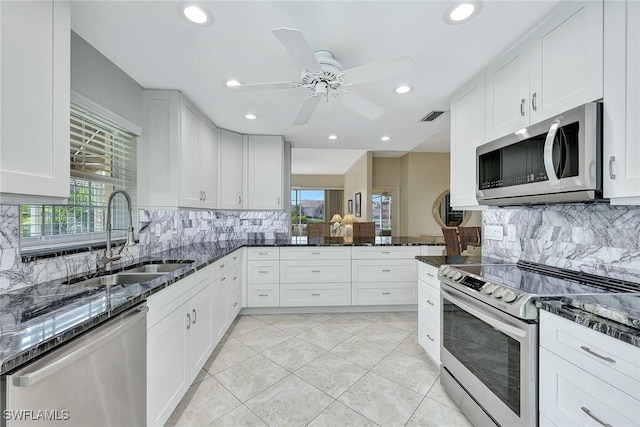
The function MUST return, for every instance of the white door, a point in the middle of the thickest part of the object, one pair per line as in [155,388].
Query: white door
[622,107]
[220,316]
[190,189]
[467,132]
[265,172]
[208,162]
[201,329]
[34,100]
[566,60]
[507,93]
[231,170]
[167,367]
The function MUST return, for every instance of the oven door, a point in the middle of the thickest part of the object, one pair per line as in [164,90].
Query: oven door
[492,355]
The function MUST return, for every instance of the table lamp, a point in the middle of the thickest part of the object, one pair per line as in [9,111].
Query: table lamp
[348,221]
[336,219]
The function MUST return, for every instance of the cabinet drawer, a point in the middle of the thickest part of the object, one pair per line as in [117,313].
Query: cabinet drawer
[395,270]
[429,303]
[571,393]
[263,271]
[429,274]
[313,253]
[292,295]
[384,293]
[614,361]
[263,253]
[385,252]
[234,257]
[263,295]
[430,341]
[325,271]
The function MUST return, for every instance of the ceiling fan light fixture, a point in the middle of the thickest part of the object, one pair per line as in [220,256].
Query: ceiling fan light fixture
[250,116]
[385,138]
[333,137]
[195,14]
[402,89]
[462,12]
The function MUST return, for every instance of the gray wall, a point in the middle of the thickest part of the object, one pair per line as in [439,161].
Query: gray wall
[97,78]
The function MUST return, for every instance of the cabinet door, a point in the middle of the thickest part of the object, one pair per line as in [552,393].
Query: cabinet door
[220,317]
[566,60]
[34,100]
[507,103]
[190,189]
[265,172]
[208,162]
[234,296]
[168,376]
[467,132]
[231,170]
[622,108]
[201,330]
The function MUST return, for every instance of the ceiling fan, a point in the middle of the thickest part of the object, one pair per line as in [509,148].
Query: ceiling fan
[324,76]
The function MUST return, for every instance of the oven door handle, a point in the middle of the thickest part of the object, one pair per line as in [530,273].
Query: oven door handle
[500,325]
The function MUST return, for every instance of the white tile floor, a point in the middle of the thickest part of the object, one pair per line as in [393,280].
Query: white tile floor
[352,369]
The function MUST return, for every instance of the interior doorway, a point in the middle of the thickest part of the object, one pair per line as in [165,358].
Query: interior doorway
[384,210]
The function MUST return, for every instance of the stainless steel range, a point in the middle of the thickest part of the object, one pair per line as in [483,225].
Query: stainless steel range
[489,349]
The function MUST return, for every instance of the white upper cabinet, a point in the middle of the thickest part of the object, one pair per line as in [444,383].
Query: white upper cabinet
[177,153]
[558,67]
[265,172]
[231,167]
[467,132]
[622,102]
[34,100]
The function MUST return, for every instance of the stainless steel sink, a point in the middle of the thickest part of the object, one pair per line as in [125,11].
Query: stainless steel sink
[118,279]
[158,268]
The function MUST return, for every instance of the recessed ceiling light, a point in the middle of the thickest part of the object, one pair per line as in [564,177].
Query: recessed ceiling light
[333,137]
[403,89]
[231,83]
[195,13]
[250,116]
[385,138]
[462,12]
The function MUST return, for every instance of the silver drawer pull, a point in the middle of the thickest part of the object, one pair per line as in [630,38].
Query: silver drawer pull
[235,278]
[386,271]
[235,258]
[263,295]
[588,412]
[188,321]
[221,266]
[429,336]
[263,253]
[315,253]
[315,295]
[195,313]
[431,275]
[430,303]
[315,271]
[235,303]
[262,271]
[386,252]
[386,293]
[223,279]
[588,350]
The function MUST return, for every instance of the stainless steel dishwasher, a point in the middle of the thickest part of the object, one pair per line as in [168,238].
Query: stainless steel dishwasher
[98,379]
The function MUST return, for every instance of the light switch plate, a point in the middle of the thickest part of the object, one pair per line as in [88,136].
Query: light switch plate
[204,225]
[493,232]
[158,230]
[511,233]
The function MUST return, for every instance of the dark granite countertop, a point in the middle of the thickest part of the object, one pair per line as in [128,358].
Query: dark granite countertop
[617,316]
[438,260]
[362,241]
[37,318]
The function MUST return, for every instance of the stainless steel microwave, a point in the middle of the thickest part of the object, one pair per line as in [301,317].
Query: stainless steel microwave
[557,160]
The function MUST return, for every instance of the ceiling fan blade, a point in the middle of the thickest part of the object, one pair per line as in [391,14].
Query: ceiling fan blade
[396,67]
[294,41]
[306,110]
[262,86]
[361,105]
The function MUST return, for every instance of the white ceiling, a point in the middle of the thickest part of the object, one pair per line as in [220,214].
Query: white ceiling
[159,49]
[314,161]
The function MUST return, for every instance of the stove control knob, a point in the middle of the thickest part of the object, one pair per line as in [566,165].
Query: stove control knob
[456,275]
[498,292]
[488,288]
[450,273]
[444,270]
[509,296]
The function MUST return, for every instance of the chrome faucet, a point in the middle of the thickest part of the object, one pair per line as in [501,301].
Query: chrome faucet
[109,257]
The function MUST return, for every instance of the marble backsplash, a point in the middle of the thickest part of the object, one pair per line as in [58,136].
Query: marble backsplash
[594,238]
[157,231]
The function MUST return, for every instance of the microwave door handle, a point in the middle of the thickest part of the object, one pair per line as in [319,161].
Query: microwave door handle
[548,154]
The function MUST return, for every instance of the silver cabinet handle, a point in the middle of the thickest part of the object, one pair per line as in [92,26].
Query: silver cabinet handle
[195,313]
[315,295]
[386,270]
[386,252]
[315,253]
[221,266]
[431,275]
[588,350]
[262,271]
[430,303]
[30,378]
[522,107]
[263,253]
[612,160]
[235,304]
[235,278]
[188,321]
[204,196]
[588,412]
[223,279]
[386,293]
[239,199]
[533,101]
[278,200]
[315,271]
[263,295]
[429,336]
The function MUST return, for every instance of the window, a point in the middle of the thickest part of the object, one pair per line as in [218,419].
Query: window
[381,212]
[102,159]
[307,206]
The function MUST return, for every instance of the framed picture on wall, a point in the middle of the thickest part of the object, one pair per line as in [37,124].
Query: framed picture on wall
[358,204]
[350,206]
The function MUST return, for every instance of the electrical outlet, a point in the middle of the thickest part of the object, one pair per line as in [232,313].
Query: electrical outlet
[158,230]
[204,225]
[277,225]
[493,232]
[511,233]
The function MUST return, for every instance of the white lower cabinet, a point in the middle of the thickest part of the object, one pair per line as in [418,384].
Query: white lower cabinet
[586,377]
[429,310]
[263,277]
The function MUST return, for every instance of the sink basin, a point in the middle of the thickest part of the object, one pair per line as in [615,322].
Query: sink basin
[158,268]
[118,279]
